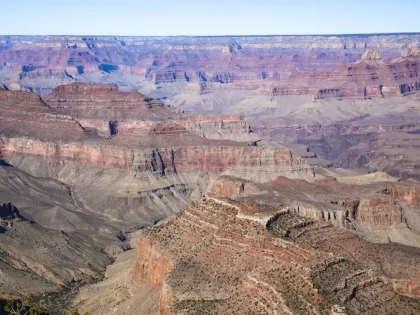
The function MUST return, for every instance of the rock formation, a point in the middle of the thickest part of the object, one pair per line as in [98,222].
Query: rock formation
[147,124]
[284,85]
[381,211]
[286,246]
[104,109]
[232,127]
[24,114]
[257,272]
[97,186]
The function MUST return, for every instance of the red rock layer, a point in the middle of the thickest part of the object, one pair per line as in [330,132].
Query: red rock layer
[24,114]
[60,139]
[379,211]
[153,265]
[103,107]
[60,154]
[214,158]
[357,207]
[230,187]
[408,193]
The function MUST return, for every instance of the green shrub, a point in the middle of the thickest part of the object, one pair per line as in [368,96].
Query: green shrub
[27,307]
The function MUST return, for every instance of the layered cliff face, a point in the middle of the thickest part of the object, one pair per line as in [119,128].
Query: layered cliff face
[215,158]
[151,63]
[287,86]
[162,59]
[406,193]
[24,114]
[231,127]
[95,186]
[103,108]
[106,111]
[153,160]
[145,123]
[369,70]
[380,211]
[259,272]
[232,187]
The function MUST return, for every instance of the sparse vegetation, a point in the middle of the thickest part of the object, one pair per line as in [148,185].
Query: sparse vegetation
[25,307]
[28,307]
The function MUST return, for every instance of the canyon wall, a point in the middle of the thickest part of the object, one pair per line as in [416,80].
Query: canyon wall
[42,62]
[150,167]
[354,86]
[215,159]
[379,211]
[148,135]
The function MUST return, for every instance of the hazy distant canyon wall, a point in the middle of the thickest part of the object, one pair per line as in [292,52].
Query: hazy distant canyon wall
[291,88]
[43,62]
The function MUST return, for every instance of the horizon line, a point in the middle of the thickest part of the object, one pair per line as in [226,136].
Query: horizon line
[266,35]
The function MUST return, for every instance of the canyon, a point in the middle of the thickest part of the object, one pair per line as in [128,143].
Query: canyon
[319,91]
[211,175]
[72,178]
[153,161]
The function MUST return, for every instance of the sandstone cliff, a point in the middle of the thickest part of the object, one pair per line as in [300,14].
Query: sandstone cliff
[380,211]
[102,108]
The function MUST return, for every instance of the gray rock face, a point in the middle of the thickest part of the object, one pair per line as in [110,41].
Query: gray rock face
[35,260]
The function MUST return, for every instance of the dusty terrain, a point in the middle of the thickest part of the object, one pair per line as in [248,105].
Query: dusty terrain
[348,244]
[36,260]
[261,256]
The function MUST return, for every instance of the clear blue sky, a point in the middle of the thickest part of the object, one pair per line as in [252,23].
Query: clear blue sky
[207,17]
